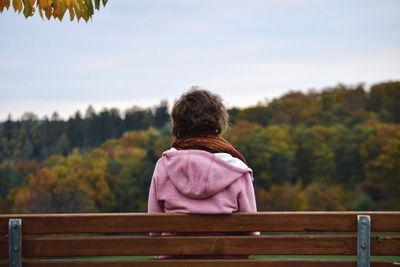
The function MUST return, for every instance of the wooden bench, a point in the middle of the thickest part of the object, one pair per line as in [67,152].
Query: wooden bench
[113,240]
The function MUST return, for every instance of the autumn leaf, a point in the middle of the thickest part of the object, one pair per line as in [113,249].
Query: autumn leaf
[55,8]
[17,5]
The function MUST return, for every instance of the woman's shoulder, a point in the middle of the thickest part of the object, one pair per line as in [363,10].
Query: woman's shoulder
[232,160]
[221,158]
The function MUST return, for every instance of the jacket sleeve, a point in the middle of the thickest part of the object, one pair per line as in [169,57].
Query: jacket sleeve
[247,198]
[153,204]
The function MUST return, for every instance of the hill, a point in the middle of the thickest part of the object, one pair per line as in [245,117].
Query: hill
[338,149]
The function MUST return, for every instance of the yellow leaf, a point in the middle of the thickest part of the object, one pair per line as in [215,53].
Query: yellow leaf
[60,9]
[47,11]
[20,6]
[63,8]
[41,3]
[57,9]
[71,13]
[44,3]
[17,4]
[85,12]
[53,8]
[28,9]
[40,13]
[89,7]
[78,11]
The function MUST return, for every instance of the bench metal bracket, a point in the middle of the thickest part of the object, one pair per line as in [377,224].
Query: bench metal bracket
[363,240]
[14,242]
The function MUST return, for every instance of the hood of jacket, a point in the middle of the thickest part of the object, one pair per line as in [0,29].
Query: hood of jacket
[199,174]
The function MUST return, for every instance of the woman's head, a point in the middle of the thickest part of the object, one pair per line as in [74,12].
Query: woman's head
[198,112]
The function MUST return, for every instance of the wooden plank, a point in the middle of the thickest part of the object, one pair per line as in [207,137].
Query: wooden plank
[195,263]
[244,222]
[385,245]
[65,246]
[3,247]
[131,245]
[199,245]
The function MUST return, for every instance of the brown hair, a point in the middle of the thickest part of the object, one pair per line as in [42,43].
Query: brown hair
[198,112]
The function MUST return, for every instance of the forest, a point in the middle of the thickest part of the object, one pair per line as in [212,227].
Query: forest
[331,149]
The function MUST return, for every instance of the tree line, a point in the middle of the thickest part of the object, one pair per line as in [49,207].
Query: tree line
[337,149]
[31,138]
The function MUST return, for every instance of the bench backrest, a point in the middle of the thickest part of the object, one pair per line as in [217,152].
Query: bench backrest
[112,239]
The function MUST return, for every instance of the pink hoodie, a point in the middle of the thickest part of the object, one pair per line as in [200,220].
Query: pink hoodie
[196,181]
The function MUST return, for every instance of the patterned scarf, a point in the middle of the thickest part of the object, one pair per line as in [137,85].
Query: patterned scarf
[210,143]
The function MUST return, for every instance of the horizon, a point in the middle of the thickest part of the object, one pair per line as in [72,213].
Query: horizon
[122,110]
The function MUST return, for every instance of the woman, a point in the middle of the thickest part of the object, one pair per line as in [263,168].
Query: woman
[202,173]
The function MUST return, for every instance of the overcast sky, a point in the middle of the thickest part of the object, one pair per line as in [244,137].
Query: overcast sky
[138,52]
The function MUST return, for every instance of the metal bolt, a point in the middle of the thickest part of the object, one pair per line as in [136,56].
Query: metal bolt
[15,248]
[363,222]
[363,246]
[15,226]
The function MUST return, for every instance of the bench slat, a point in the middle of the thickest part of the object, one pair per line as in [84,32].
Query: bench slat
[142,223]
[195,263]
[64,246]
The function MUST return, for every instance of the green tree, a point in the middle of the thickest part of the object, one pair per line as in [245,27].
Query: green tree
[295,108]
[319,196]
[257,114]
[384,99]
[315,159]
[161,115]
[284,197]
[381,156]
[272,155]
